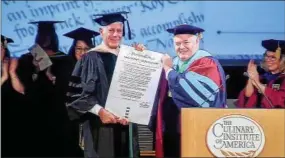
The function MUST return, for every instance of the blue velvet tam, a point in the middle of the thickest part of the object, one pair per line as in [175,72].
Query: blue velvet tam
[273,45]
[185,29]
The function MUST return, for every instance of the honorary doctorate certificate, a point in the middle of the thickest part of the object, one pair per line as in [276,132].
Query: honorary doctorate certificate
[134,84]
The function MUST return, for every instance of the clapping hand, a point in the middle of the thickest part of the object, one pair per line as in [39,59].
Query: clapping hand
[16,83]
[253,73]
[5,75]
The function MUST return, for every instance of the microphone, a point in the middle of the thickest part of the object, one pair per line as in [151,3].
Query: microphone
[227,77]
[270,103]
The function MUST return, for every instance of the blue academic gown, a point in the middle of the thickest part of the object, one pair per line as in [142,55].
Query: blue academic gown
[202,84]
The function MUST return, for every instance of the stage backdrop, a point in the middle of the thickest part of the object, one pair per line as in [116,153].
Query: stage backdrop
[234,30]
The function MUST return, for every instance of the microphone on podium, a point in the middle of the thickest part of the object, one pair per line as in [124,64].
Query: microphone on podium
[270,103]
[227,77]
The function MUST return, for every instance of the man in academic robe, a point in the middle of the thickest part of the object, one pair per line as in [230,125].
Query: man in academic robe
[192,79]
[266,90]
[103,133]
[45,92]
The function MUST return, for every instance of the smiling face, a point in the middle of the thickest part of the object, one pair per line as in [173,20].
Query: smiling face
[112,34]
[271,62]
[80,49]
[186,45]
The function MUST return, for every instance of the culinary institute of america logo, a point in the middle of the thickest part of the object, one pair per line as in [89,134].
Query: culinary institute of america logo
[235,136]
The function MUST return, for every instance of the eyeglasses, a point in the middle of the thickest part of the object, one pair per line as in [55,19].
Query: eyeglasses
[271,58]
[79,49]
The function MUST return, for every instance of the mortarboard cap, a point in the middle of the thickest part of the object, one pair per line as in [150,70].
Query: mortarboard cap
[5,40]
[273,45]
[185,29]
[46,34]
[109,18]
[45,26]
[82,34]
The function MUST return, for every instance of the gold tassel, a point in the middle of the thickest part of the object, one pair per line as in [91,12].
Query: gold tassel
[81,137]
[200,35]
[278,52]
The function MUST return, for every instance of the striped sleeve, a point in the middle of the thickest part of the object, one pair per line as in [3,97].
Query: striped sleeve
[80,97]
[197,87]
[74,89]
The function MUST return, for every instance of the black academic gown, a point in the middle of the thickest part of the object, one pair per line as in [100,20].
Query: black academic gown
[90,83]
[46,112]
[72,134]
[13,122]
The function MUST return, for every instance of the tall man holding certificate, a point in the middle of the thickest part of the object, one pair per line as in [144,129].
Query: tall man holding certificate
[195,79]
[103,134]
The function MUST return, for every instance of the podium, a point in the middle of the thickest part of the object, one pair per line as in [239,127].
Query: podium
[213,132]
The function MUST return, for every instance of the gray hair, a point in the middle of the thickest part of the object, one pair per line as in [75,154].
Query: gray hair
[104,28]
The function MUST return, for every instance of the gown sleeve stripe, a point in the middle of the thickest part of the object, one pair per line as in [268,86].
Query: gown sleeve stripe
[192,93]
[193,75]
[198,84]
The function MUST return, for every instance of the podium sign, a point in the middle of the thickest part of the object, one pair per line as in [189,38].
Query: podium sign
[210,132]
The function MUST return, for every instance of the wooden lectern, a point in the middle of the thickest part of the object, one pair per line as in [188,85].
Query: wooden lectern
[195,123]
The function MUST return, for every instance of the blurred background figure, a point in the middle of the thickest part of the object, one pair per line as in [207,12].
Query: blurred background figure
[5,57]
[12,99]
[45,91]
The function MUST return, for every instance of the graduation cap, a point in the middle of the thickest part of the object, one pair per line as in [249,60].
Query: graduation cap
[82,34]
[277,46]
[5,40]
[45,26]
[46,36]
[109,18]
[186,29]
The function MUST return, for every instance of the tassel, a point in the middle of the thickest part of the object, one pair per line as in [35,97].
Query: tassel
[124,31]
[93,41]
[200,35]
[129,30]
[131,150]
[278,52]
[81,137]
[5,43]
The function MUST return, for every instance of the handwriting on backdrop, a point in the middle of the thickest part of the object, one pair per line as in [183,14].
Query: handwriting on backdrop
[73,20]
